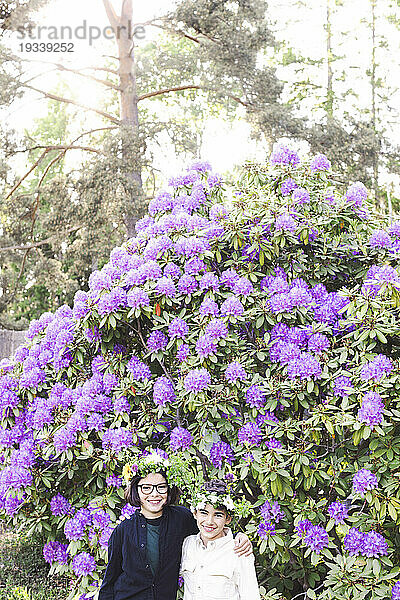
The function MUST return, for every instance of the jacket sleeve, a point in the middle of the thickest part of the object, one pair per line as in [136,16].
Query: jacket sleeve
[114,566]
[189,522]
[247,578]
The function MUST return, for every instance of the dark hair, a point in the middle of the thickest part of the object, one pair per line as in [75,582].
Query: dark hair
[131,494]
[216,486]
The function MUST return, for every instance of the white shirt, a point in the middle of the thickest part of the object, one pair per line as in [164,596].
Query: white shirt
[215,572]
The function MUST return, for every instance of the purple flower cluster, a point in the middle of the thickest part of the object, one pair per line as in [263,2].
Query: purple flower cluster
[319,163]
[371,409]
[283,155]
[266,529]
[396,591]
[363,481]
[338,512]
[379,367]
[356,194]
[220,452]
[181,438]
[156,341]
[83,564]
[250,433]
[163,391]
[115,440]
[342,386]
[235,371]
[55,552]
[197,380]
[60,506]
[178,328]
[255,397]
[271,512]
[371,544]
[316,538]
[380,239]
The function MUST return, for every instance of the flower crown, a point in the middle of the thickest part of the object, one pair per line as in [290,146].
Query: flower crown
[157,460]
[238,508]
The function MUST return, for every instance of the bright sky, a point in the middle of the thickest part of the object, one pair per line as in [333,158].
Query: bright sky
[224,145]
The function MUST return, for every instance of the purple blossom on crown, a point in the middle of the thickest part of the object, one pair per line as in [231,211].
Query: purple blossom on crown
[166,286]
[163,391]
[285,222]
[83,564]
[396,591]
[271,512]
[232,306]
[220,452]
[338,512]
[205,346]
[197,380]
[250,433]
[156,341]
[364,480]
[316,538]
[117,439]
[182,352]
[178,328]
[209,307]
[235,371]
[371,409]
[303,527]
[357,193]
[380,239]
[319,163]
[265,529]
[300,196]
[60,506]
[137,297]
[181,438]
[342,386]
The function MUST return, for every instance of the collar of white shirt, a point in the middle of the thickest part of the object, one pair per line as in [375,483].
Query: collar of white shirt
[227,538]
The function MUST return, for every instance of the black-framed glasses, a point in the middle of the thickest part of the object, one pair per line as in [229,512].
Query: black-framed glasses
[147,488]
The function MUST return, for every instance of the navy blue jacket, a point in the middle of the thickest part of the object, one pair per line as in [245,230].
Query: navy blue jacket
[128,575]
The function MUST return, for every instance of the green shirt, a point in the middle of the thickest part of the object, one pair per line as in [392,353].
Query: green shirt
[153,534]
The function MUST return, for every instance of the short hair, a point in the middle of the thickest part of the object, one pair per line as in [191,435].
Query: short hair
[131,494]
[216,486]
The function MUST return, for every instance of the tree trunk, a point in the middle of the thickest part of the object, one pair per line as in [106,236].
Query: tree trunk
[375,153]
[129,114]
[329,87]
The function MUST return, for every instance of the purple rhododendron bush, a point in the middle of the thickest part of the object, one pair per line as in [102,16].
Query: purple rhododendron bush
[254,330]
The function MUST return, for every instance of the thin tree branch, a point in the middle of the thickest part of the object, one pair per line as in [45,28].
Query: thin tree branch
[190,87]
[69,147]
[74,103]
[36,244]
[61,67]
[111,14]
[16,186]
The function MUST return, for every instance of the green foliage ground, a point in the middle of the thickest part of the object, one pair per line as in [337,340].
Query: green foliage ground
[23,572]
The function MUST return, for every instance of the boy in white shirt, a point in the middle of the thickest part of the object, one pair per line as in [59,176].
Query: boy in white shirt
[210,568]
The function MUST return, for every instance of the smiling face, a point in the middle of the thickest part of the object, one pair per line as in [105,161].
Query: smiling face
[211,522]
[152,504]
